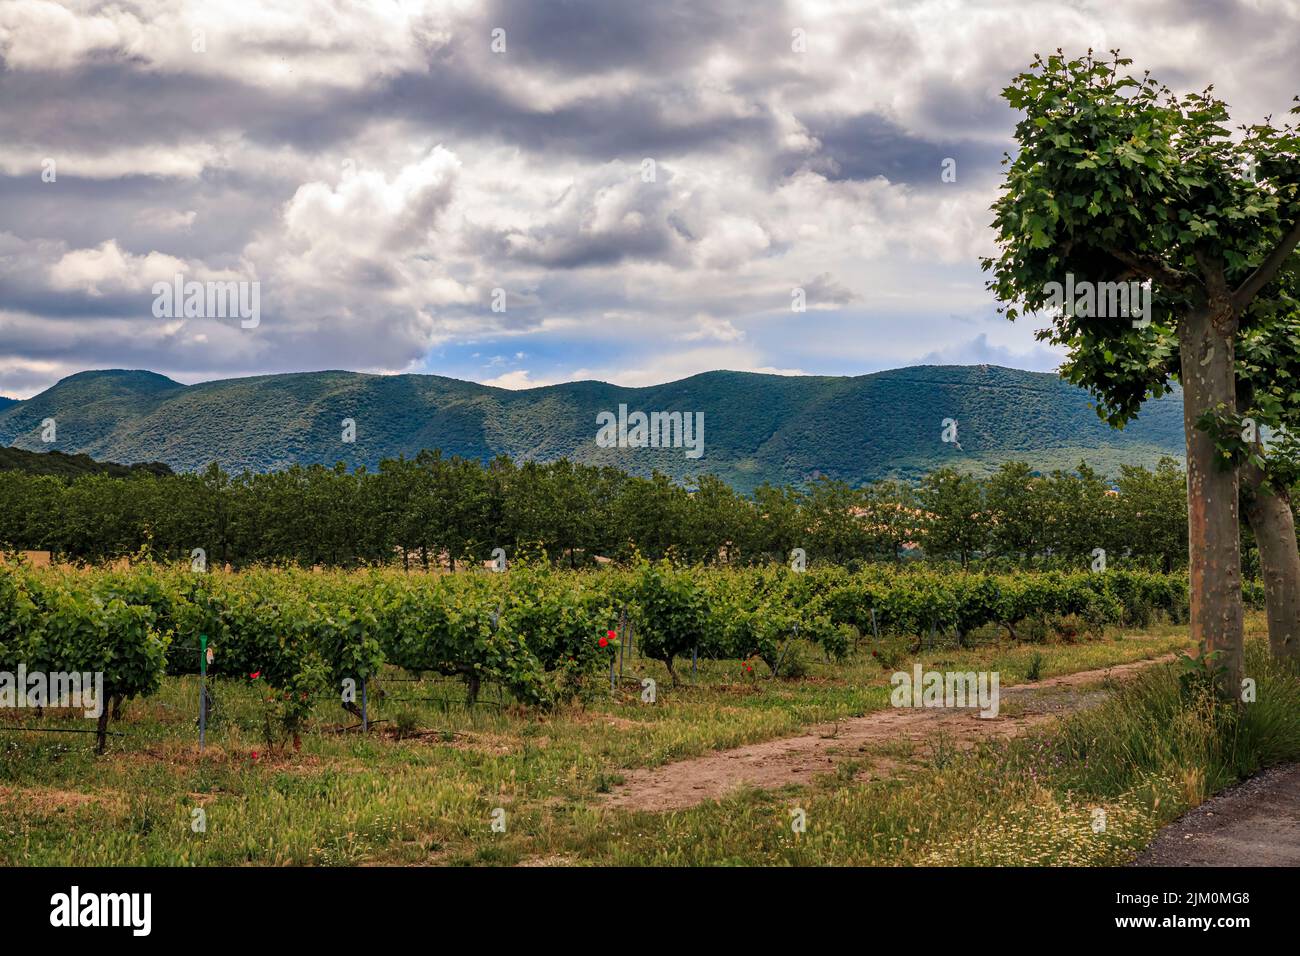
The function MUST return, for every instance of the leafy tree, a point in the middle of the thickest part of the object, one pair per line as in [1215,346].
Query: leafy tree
[1076,512]
[893,517]
[717,521]
[1015,511]
[955,524]
[654,514]
[780,527]
[1268,388]
[1120,180]
[1151,511]
[834,519]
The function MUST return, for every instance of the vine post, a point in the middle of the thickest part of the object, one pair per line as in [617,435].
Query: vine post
[203,688]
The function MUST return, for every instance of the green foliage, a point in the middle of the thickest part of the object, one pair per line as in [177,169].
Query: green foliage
[533,630]
[759,428]
[1119,179]
[446,512]
[1035,670]
[62,465]
[670,608]
[1170,721]
[452,626]
[63,623]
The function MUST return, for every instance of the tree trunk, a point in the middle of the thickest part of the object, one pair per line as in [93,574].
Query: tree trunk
[101,729]
[1270,516]
[1213,524]
[472,685]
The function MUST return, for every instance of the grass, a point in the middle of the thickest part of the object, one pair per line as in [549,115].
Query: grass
[422,787]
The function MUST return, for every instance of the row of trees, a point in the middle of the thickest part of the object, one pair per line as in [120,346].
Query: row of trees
[425,510]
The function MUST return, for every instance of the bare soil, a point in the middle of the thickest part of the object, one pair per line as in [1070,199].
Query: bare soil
[797,761]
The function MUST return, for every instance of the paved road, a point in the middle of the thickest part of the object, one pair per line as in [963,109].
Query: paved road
[1256,823]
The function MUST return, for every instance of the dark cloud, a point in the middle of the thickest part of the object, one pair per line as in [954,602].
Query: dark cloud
[867,145]
[657,118]
[103,106]
[608,217]
[578,37]
[776,168]
[825,290]
[147,213]
[98,109]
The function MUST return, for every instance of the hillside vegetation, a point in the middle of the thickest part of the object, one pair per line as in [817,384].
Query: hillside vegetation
[758,428]
[63,465]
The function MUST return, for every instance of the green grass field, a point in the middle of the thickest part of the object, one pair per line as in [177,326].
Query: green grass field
[422,787]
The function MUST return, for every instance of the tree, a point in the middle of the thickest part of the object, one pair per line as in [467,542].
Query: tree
[394,489]
[1269,392]
[718,518]
[835,526]
[1151,512]
[955,506]
[780,526]
[1122,182]
[462,495]
[1076,513]
[894,518]
[1015,515]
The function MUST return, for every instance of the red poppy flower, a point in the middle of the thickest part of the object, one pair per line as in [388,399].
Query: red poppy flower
[255,675]
[604,641]
[254,754]
[610,634]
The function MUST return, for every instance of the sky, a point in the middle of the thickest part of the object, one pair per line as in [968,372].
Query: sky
[525,192]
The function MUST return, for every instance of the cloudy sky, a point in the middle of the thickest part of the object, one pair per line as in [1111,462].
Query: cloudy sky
[646,182]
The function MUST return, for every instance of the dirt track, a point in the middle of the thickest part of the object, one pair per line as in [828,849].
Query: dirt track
[1256,823]
[797,760]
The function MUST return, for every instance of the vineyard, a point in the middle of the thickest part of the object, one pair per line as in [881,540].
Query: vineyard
[544,636]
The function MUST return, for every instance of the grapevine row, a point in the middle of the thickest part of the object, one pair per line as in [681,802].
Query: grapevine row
[533,630]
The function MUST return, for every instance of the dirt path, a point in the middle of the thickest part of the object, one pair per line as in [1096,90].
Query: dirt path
[1256,823]
[797,760]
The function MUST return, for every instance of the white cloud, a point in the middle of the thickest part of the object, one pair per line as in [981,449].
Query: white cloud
[385,172]
[519,379]
[108,269]
[289,43]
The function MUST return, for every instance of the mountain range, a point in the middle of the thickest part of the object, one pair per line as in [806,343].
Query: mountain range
[776,428]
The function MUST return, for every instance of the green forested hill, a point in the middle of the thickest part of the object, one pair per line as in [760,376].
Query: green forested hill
[70,466]
[783,429]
